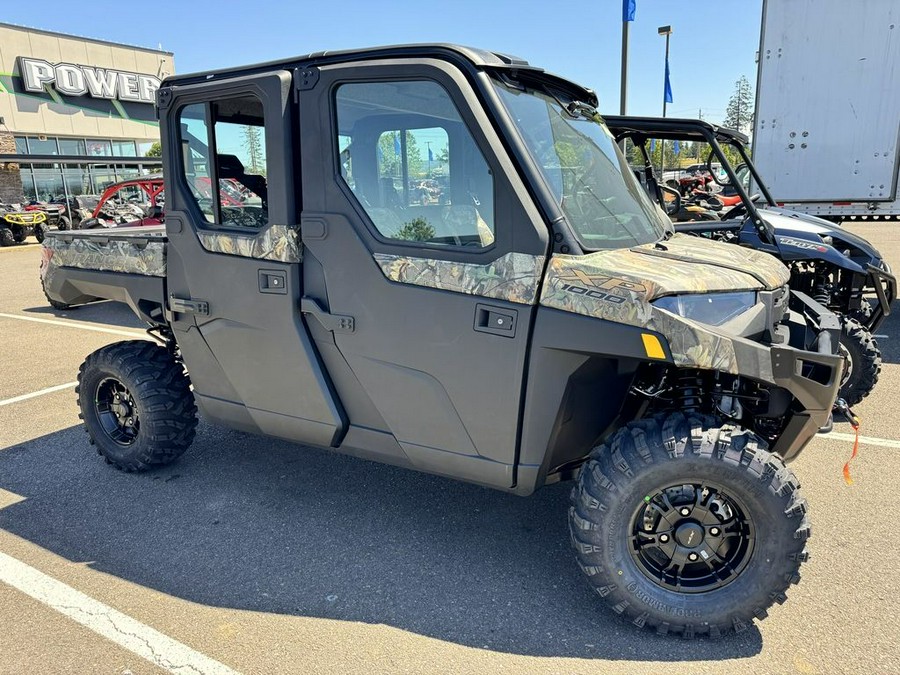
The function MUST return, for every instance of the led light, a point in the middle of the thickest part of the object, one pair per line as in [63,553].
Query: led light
[713,309]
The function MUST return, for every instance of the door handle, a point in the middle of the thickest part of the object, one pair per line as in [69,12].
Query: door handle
[496,320]
[187,306]
[336,323]
[273,281]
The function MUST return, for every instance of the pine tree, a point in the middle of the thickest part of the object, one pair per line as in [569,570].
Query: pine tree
[253,146]
[739,113]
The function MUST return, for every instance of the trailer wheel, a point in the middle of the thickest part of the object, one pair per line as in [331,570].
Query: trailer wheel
[136,404]
[686,525]
[862,361]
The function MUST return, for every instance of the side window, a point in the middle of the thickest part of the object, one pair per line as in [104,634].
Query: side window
[226,170]
[407,156]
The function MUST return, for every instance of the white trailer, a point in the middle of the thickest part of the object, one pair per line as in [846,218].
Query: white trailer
[827,123]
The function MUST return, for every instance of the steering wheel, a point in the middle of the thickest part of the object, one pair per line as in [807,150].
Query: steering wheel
[735,211]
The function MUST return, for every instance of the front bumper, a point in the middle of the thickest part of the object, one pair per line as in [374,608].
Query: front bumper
[811,372]
[885,285]
[805,365]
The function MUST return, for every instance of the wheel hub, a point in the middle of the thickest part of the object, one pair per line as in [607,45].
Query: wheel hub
[692,538]
[689,535]
[117,411]
[848,363]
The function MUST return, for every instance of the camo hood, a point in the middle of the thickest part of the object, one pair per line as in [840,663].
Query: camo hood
[619,285]
[683,264]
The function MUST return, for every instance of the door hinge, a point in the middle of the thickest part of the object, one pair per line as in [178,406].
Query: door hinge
[336,323]
[305,78]
[183,306]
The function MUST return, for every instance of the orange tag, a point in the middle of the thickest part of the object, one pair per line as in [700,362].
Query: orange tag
[855,424]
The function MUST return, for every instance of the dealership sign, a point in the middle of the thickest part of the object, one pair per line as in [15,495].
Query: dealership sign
[71,80]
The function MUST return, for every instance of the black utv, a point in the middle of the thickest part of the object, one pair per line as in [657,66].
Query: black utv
[450,267]
[837,268]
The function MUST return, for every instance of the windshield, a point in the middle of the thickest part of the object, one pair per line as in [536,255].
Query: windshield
[588,176]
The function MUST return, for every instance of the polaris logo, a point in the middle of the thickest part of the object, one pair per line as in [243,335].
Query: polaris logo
[801,243]
[72,80]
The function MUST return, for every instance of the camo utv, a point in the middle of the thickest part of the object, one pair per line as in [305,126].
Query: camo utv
[529,318]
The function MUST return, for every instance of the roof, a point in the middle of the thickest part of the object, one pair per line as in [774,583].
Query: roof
[672,128]
[479,58]
[57,33]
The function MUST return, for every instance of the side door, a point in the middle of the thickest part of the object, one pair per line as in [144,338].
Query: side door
[234,258]
[422,259]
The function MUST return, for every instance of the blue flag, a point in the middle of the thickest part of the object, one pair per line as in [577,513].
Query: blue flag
[677,147]
[668,91]
[430,155]
[652,145]
[397,148]
[628,8]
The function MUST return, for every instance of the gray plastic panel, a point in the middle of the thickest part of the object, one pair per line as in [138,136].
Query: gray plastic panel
[254,349]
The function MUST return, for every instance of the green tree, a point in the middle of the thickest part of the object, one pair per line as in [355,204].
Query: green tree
[417,229]
[389,159]
[253,146]
[739,113]
[155,150]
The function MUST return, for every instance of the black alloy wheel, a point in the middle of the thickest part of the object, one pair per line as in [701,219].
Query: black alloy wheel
[117,411]
[692,538]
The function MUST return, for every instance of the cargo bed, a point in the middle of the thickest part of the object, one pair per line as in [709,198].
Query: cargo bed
[123,264]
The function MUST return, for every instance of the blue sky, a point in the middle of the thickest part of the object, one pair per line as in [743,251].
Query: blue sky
[712,45]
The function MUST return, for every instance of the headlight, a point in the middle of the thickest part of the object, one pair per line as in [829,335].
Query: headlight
[713,309]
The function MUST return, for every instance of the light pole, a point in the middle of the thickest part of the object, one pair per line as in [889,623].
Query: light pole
[667,31]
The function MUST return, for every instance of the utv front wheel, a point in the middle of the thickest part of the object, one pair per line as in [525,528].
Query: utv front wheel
[862,361]
[136,404]
[689,527]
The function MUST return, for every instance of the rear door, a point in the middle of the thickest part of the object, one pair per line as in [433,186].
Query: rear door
[422,260]
[234,256]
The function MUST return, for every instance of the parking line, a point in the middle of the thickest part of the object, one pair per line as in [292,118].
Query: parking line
[34,394]
[74,324]
[125,631]
[867,440]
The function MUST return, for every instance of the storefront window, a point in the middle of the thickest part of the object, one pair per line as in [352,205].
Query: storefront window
[71,146]
[98,148]
[27,183]
[36,146]
[21,146]
[48,181]
[104,176]
[123,148]
[144,147]
[78,180]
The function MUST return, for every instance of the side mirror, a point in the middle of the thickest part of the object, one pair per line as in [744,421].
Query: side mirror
[670,198]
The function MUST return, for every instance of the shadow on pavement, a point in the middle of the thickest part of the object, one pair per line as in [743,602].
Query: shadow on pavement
[890,345]
[112,313]
[257,524]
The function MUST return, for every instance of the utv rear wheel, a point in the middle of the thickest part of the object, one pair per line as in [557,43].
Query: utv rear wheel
[688,526]
[55,304]
[136,404]
[862,361]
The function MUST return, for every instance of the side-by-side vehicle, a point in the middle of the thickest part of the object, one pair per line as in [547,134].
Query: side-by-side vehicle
[530,318]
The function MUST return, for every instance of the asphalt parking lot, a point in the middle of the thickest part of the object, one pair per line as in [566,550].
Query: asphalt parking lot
[258,556]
